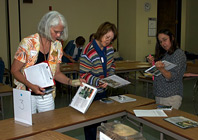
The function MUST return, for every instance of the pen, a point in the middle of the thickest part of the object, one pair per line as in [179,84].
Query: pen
[153,63]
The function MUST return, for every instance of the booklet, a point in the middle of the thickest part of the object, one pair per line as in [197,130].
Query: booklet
[40,74]
[154,71]
[122,98]
[83,98]
[115,81]
[182,122]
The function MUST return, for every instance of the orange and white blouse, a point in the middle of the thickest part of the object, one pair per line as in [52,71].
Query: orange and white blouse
[28,51]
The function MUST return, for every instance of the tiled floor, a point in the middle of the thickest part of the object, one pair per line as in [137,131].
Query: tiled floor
[63,100]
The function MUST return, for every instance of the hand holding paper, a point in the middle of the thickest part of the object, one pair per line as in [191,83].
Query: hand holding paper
[36,89]
[78,82]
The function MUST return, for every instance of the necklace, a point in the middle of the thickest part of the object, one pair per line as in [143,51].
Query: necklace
[43,47]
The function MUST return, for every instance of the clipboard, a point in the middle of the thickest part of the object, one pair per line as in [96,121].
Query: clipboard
[40,74]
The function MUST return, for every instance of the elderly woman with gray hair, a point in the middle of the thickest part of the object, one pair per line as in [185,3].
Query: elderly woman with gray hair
[39,47]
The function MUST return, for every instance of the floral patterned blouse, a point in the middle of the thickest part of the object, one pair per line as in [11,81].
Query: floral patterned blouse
[28,51]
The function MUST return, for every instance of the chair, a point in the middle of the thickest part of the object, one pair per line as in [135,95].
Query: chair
[149,85]
[2,68]
[195,97]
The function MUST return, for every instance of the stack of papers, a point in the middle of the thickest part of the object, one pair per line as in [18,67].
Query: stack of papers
[40,74]
[122,99]
[150,113]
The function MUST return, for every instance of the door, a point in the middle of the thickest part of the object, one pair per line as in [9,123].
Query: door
[169,16]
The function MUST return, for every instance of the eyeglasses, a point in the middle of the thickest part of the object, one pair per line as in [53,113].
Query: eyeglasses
[108,37]
[58,32]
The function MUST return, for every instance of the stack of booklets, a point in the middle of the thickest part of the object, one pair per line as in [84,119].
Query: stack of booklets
[83,97]
[40,74]
[182,122]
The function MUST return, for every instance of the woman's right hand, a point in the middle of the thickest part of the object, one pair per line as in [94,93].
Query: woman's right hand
[150,59]
[37,90]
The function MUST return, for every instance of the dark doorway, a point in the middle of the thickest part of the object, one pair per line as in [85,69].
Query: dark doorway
[169,16]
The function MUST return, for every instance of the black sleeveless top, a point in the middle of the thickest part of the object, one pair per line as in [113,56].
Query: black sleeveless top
[41,58]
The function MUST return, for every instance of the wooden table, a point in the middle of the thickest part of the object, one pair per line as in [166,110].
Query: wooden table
[69,68]
[5,90]
[165,127]
[67,118]
[130,66]
[49,135]
[124,67]
[121,67]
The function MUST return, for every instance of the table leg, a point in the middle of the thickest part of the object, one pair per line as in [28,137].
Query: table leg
[161,136]
[2,110]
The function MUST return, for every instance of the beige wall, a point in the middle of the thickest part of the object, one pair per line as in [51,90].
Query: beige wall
[134,43]
[127,29]
[85,16]
[3,35]
[144,45]
[183,25]
[191,38]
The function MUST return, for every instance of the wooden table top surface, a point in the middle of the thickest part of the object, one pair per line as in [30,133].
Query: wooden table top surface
[190,133]
[64,117]
[120,65]
[49,135]
[5,88]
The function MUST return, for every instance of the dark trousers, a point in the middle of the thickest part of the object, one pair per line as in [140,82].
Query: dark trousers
[91,130]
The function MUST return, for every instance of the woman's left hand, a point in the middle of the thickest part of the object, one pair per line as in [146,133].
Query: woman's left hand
[103,85]
[160,65]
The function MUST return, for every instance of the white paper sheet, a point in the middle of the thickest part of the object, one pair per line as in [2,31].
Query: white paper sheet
[150,113]
[104,137]
[22,106]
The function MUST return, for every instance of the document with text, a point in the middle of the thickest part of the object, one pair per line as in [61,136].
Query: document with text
[83,98]
[154,71]
[115,81]
[182,122]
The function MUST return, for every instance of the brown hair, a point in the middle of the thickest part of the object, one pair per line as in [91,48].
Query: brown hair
[159,51]
[105,28]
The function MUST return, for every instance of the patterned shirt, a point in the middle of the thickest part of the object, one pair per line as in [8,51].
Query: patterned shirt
[174,86]
[91,65]
[28,51]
